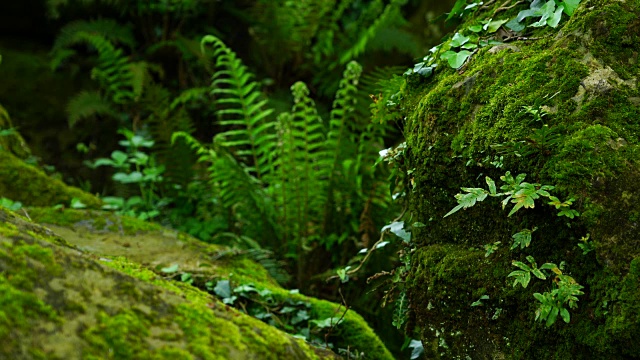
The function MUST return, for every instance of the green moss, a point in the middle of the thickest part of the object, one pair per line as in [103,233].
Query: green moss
[91,229]
[585,75]
[59,303]
[31,186]
[97,221]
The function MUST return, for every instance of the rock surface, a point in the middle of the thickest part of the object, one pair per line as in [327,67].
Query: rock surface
[583,74]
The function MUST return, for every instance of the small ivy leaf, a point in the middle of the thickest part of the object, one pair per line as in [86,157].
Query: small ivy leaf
[470,46]
[418,349]
[171,269]
[456,59]
[547,12]
[475,28]
[77,204]
[569,6]
[119,157]
[301,315]
[418,225]
[554,20]
[494,25]
[222,289]
[459,40]
[397,228]
[479,301]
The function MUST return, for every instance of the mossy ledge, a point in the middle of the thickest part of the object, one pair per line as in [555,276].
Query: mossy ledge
[59,303]
[139,248]
[590,63]
[28,184]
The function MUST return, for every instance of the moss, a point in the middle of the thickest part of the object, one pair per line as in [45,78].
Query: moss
[13,143]
[98,221]
[584,74]
[31,186]
[58,303]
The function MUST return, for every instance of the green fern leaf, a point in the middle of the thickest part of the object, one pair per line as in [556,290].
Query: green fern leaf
[88,104]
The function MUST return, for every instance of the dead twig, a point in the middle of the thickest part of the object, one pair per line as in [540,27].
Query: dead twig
[504,7]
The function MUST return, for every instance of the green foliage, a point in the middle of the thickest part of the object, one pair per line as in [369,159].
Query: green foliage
[547,13]
[291,182]
[135,167]
[523,195]
[565,292]
[10,204]
[491,248]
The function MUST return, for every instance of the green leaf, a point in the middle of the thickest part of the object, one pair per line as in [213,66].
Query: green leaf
[555,18]
[458,8]
[458,40]
[538,274]
[456,59]
[491,184]
[565,315]
[551,318]
[397,228]
[171,269]
[475,28]
[515,25]
[569,6]
[494,25]
[521,265]
[522,238]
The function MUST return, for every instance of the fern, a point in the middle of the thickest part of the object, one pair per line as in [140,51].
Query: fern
[390,14]
[236,187]
[251,134]
[88,104]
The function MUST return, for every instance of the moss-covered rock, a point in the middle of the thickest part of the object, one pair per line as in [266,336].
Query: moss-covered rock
[11,140]
[28,184]
[583,74]
[61,303]
[140,249]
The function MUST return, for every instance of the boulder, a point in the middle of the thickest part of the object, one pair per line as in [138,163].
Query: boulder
[479,120]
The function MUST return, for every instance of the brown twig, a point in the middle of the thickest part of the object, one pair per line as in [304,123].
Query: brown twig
[504,7]
[487,5]
[346,308]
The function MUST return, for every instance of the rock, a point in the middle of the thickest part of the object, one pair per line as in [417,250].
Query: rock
[28,184]
[581,75]
[84,287]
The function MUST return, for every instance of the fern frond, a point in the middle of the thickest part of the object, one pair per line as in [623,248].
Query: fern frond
[391,13]
[88,104]
[197,94]
[108,29]
[177,157]
[236,187]
[243,110]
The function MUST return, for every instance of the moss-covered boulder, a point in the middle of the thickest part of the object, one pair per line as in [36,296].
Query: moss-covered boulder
[28,184]
[480,120]
[60,303]
[135,246]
